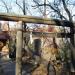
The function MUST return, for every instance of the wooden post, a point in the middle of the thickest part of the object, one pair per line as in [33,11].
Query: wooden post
[74,38]
[72,34]
[18,49]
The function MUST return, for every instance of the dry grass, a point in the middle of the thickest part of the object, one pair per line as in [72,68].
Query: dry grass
[41,70]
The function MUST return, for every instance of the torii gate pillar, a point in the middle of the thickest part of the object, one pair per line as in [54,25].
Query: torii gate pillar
[19,49]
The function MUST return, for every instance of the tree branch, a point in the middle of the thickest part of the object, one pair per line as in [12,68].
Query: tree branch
[5,5]
[37,5]
[19,5]
[73,15]
[67,10]
[55,10]
[24,9]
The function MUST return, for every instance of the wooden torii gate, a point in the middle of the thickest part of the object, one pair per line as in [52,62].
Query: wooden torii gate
[31,19]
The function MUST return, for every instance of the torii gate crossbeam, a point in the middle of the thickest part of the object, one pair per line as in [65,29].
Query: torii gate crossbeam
[31,19]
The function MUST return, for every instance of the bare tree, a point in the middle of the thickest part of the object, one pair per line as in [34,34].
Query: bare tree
[57,7]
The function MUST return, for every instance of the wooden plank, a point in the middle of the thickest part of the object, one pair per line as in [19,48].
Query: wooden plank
[50,34]
[32,19]
[62,35]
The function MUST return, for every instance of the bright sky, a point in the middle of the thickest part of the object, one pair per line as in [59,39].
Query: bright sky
[29,3]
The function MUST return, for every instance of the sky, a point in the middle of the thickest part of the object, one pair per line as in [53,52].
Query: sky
[17,10]
[29,3]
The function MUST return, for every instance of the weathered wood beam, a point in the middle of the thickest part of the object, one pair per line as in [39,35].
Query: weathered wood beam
[31,19]
[50,34]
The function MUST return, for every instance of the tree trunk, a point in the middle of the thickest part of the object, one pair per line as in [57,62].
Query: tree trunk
[72,45]
[18,49]
[72,35]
